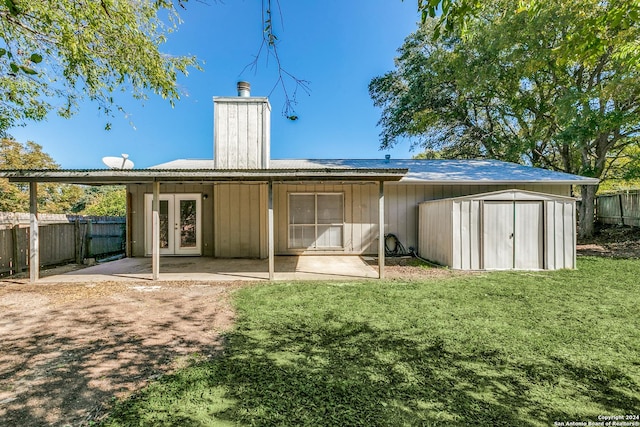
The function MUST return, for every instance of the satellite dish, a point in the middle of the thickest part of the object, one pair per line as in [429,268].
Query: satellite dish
[118,162]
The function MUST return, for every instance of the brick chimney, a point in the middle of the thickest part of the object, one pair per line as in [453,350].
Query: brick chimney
[241,130]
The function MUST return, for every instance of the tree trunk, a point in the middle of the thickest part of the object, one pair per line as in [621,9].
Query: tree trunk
[586,214]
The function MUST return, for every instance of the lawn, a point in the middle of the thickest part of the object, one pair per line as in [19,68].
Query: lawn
[504,348]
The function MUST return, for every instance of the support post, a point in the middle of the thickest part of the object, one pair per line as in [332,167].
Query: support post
[88,238]
[127,239]
[381,239]
[270,237]
[621,209]
[155,231]
[34,244]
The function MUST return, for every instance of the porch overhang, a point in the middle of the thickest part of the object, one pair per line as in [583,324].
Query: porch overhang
[132,176]
[168,176]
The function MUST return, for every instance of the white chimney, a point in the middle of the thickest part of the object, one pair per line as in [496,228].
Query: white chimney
[241,130]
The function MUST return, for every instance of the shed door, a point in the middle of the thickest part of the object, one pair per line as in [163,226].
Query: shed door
[528,244]
[512,235]
[497,235]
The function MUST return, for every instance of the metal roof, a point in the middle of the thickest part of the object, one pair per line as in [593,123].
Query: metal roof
[110,176]
[404,170]
[420,170]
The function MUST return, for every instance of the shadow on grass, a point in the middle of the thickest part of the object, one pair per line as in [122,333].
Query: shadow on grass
[348,373]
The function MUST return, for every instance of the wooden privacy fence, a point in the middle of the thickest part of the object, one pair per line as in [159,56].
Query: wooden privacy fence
[621,208]
[63,238]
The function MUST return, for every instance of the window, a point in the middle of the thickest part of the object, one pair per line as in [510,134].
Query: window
[316,220]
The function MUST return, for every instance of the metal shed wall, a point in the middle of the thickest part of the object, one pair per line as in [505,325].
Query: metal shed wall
[462,232]
[402,199]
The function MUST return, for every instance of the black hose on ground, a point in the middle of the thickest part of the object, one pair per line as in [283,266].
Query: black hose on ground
[398,249]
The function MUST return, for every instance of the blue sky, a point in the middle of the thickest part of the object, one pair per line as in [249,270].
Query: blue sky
[337,45]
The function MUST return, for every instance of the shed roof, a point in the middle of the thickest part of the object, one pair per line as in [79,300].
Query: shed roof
[505,195]
[421,170]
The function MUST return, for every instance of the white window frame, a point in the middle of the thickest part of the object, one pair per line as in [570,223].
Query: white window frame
[315,223]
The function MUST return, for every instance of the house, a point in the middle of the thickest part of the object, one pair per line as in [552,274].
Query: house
[244,204]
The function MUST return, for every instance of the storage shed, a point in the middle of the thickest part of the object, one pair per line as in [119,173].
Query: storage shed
[511,229]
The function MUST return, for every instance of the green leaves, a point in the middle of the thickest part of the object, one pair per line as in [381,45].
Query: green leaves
[11,5]
[92,51]
[524,82]
[15,68]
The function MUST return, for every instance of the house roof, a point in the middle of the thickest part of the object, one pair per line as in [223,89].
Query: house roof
[451,172]
[419,170]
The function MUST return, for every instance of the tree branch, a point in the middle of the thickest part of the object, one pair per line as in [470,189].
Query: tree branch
[269,48]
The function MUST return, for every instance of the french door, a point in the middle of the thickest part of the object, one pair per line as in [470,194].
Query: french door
[180,224]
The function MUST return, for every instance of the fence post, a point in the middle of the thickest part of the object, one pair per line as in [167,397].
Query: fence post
[89,236]
[78,240]
[621,208]
[15,245]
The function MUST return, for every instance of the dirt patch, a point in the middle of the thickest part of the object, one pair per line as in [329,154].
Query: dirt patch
[67,350]
[612,242]
[407,267]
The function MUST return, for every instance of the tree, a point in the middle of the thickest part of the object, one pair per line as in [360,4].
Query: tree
[506,86]
[105,201]
[64,50]
[52,198]
[588,40]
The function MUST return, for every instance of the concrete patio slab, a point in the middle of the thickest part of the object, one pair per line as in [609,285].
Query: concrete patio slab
[307,267]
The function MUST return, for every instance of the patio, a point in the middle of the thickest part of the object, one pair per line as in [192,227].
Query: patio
[324,267]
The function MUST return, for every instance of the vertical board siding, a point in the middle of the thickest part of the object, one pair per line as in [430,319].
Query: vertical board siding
[239,230]
[474,235]
[227,210]
[464,241]
[58,242]
[240,140]
[436,230]
[13,259]
[137,225]
[619,208]
[569,216]
[551,236]
[457,235]
[497,229]
[528,238]
[560,238]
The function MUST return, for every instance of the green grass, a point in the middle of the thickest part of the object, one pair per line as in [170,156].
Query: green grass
[510,349]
